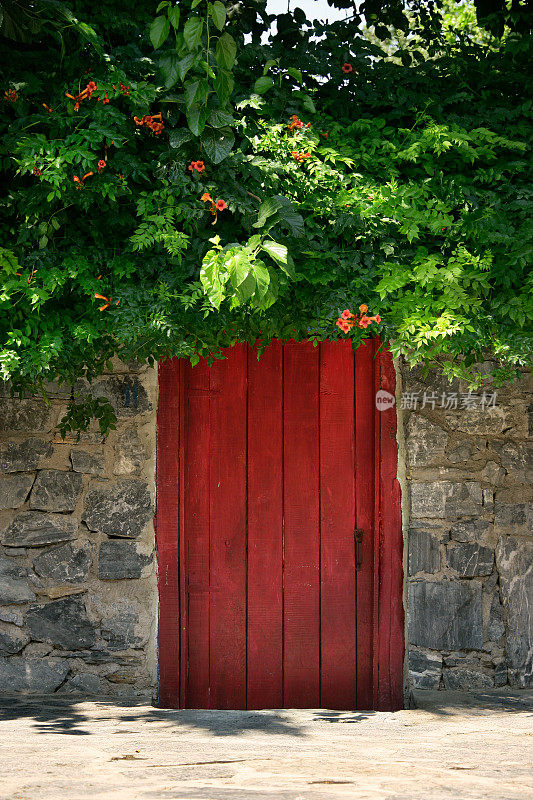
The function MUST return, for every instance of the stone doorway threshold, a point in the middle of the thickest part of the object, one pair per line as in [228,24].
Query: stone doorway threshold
[451,745]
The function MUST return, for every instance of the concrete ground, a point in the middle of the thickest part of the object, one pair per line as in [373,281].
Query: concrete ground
[450,746]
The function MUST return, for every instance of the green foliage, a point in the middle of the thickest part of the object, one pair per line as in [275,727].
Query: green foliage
[404,184]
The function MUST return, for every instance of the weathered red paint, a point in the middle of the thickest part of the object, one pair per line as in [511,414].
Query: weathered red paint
[270,466]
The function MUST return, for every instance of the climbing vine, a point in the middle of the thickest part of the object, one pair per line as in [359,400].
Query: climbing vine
[175,183]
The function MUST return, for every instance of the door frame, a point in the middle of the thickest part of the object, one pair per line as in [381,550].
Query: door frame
[388,610]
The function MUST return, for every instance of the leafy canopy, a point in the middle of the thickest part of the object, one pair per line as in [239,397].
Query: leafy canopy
[177,181]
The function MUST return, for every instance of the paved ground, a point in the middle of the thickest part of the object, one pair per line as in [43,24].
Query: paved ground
[450,746]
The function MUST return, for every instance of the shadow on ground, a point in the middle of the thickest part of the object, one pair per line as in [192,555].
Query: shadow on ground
[453,702]
[66,715]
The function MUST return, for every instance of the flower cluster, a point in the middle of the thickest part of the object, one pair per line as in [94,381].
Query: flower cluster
[80,182]
[124,89]
[36,171]
[220,205]
[86,94]
[300,157]
[149,121]
[347,320]
[11,95]
[108,301]
[196,165]
[296,123]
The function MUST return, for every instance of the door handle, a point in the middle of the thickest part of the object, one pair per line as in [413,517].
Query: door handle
[358,536]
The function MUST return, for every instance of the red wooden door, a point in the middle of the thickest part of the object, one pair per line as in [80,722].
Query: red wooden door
[265,471]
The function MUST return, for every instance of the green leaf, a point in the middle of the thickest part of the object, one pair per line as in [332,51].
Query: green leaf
[186,63]
[168,64]
[295,73]
[192,32]
[196,118]
[196,92]
[270,63]
[263,84]
[195,3]
[164,4]
[223,85]
[267,209]
[218,143]
[226,51]
[308,104]
[220,119]
[217,10]
[159,30]
[174,17]
[178,137]
[262,277]
[280,255]
[290,216]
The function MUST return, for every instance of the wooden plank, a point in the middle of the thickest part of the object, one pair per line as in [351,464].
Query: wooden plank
[167,532]
[364,483]
[227,467]
[265,528]
[195,526]
[391,618]
[302,541]
[337,524]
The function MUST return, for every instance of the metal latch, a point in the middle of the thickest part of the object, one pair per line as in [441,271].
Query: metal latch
[358,535]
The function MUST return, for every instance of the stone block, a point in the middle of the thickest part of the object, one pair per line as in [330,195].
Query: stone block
[62,622]
[465,680]
[460,453]
[470,560]
[445,615]
[426,441]
[119,630]
[477,422]
[28,416]
[120,560]
[12,639]
[501,676]
[12,615]
[26,456]
[14,489]
[425,669]
[36,529]
[516,458]
[55,490]
[423,551]
[492,473]
[32,675]
[123,510]
[469,530]
[126,394]
[84,683]
[514,561]
[88,463]
[496,627]
[445,499]
[63,563]
[513,518]
[38,650]
[130,454]
[14,586]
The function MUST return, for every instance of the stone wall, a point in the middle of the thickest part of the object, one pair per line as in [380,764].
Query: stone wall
[469,534]
[78,584]
[78,589]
